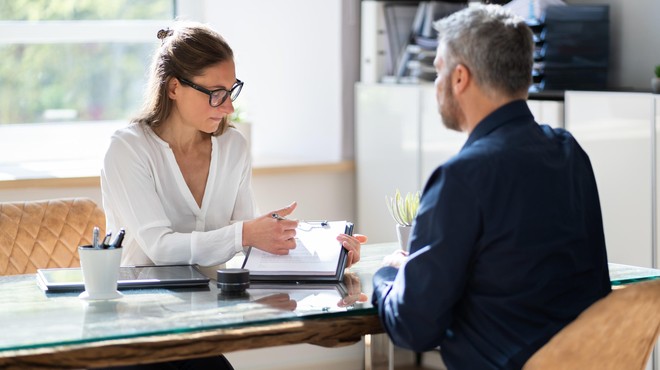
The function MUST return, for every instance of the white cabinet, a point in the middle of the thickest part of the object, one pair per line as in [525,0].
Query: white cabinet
[400,140]
[438,143]
[656,250]
[549,112]
[617,132]
[387,153]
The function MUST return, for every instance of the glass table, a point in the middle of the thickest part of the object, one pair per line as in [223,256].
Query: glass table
[60,330]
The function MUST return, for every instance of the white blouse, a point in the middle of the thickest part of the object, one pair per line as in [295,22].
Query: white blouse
[145,193]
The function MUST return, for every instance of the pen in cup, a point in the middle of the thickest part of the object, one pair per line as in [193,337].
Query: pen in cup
[118,240]
[106,240]
[95,237]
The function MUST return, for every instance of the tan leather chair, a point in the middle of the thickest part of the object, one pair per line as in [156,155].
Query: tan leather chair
[617,332]
[46,233]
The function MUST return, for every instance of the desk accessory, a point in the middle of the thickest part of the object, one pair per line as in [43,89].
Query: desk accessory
[100,270]
[232,281]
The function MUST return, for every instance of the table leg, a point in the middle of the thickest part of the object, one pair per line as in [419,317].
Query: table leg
[367,352]
[390,355]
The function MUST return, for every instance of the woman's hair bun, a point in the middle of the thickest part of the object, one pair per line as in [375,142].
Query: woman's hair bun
[162,34]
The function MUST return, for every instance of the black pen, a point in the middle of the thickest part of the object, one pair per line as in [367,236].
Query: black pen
[120,238]
[106,240]
[278,217]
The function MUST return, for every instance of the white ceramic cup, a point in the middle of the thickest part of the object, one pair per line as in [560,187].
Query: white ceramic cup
[100,268]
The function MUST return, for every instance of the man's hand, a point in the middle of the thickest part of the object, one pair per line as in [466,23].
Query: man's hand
[396,259]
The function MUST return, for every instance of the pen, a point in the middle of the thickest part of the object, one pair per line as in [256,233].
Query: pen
[120,238]
[106,240]
[95,237]
[321,222]
[278,217]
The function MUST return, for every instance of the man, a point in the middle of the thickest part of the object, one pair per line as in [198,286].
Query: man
[508,246]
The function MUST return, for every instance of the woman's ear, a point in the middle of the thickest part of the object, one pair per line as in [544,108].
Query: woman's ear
[172,87]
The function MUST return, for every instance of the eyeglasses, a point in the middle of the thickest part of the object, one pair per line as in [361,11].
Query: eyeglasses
[219,96]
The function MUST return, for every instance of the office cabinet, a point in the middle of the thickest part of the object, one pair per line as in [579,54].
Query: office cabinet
[387,153]
[655,253]
[617,131]
[437,143]
[400,140]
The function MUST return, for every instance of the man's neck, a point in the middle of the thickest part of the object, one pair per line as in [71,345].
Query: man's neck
[479,105]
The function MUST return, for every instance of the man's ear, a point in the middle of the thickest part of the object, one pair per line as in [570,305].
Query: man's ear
[460,78]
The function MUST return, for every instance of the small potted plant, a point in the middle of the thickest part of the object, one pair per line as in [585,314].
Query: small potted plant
[403,211]
[655,81]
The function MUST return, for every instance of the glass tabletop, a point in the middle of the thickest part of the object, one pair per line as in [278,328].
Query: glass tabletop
[30,318]
[626,274]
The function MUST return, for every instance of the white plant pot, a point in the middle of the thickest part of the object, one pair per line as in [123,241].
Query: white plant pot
[403,233]
[655,85]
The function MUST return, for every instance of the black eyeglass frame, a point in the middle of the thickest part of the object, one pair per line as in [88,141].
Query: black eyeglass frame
[228,93]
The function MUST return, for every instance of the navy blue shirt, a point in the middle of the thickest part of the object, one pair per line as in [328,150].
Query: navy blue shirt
[507,247]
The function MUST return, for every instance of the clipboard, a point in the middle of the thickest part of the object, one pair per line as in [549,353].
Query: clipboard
[318,256]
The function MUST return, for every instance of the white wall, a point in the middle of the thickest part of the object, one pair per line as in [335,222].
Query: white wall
[290,55]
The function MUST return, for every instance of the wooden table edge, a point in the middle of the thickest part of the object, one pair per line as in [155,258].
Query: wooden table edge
[326,332]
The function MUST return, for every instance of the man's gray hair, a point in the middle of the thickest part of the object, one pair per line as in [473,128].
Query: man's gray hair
[496,46]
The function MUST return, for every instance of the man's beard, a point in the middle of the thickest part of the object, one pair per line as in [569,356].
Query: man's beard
[450,112]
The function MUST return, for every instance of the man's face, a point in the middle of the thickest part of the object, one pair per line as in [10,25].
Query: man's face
[448,107]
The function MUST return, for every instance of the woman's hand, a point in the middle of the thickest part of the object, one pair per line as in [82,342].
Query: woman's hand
[276,236]
[352,245]
[281,301]
[354,291]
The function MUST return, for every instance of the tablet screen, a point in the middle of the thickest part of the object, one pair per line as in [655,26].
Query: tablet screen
[129,277]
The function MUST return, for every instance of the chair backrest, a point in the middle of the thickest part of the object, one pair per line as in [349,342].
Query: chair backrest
[617,332]
[46,233]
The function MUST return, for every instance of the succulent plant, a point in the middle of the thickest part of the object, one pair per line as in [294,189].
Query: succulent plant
[657,71]
[403,209]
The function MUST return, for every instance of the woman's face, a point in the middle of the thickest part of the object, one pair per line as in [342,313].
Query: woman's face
[193,105]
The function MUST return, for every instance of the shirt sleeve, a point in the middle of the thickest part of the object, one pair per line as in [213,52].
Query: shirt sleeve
[131,200]
[416,303]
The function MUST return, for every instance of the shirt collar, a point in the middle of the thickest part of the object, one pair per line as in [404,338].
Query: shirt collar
[516,110]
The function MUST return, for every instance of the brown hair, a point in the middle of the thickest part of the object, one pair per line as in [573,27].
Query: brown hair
[186,49]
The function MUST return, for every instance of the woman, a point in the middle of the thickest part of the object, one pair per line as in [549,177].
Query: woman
[179,178]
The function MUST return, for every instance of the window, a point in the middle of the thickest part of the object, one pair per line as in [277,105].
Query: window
[72,72]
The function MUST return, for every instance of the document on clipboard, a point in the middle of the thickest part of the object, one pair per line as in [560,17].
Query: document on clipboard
[318,256]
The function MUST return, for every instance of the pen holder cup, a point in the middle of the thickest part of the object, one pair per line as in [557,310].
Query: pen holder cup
[100,268]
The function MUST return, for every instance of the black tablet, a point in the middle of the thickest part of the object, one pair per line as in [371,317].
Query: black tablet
[166,276]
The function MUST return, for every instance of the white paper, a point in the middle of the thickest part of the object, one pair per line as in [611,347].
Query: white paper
[317,252]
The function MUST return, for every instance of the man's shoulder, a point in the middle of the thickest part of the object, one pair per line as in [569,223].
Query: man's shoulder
[557,133]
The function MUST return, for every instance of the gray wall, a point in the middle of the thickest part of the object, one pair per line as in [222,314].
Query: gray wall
[634,41]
